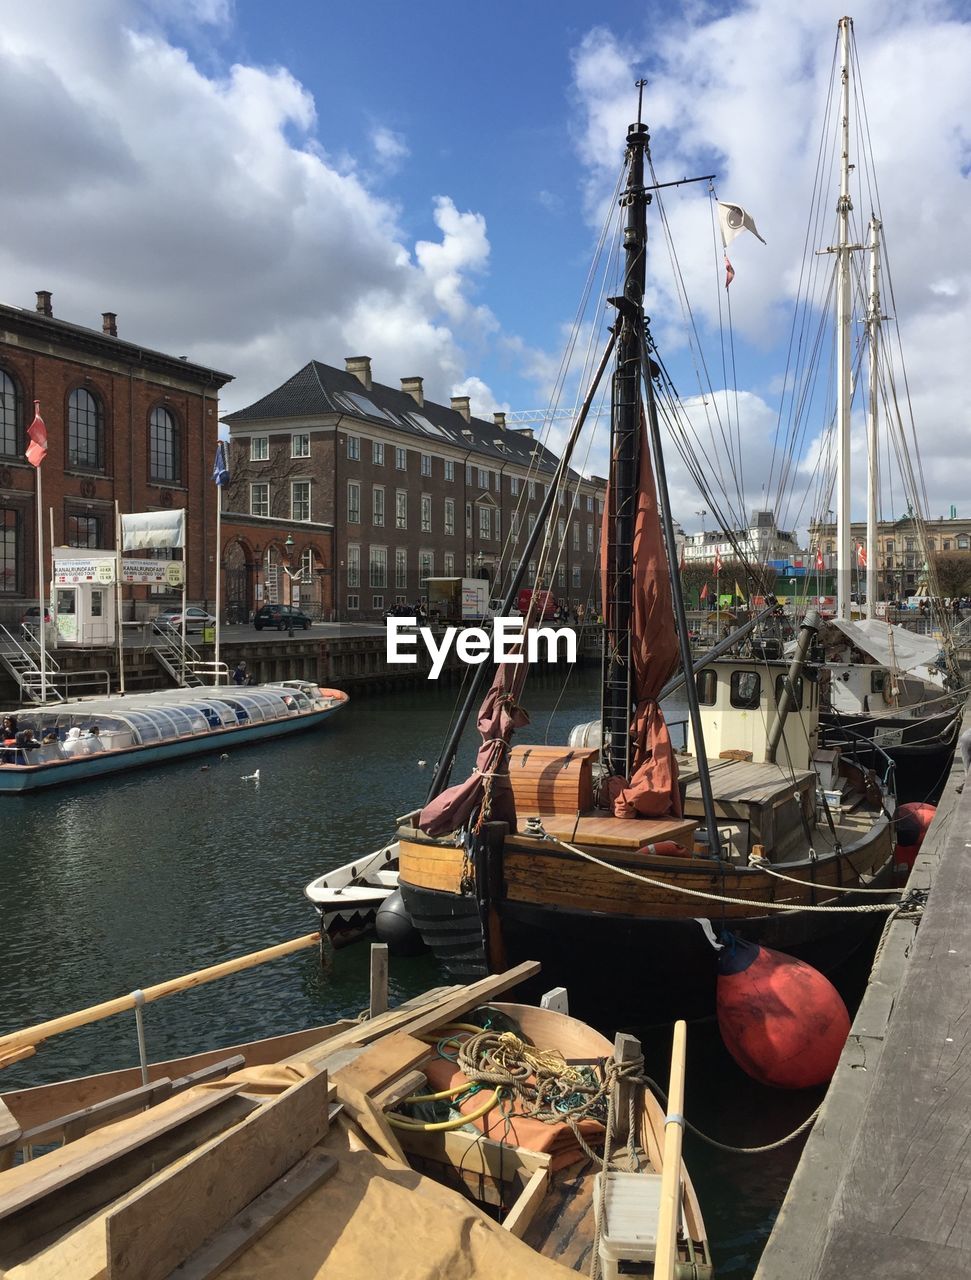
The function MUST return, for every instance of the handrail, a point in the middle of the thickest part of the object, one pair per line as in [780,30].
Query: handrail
[32,1036]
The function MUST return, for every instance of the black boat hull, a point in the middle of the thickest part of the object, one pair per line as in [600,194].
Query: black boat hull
[921,756]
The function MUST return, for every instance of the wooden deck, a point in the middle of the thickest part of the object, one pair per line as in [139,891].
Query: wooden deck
[883,1185]
[741,781]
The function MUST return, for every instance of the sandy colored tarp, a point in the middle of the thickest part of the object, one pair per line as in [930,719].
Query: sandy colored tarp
[376,1220]
[911,652]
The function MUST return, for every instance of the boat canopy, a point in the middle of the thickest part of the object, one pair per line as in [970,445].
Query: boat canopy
[183,713]
[892,646]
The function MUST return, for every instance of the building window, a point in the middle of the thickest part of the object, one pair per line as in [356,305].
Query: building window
[600,506]
[300,445]
[400,567]
[83,531]
[589,501]
[576,575]
[378,567]
[165,447]
[561,530]
[561,498]
[377,453]
[531,571]
[10,424]
[498,525]
[576,536]
[401,509]
[353,603]
[300,500]
[259,499]
[514,486]
[353,565]
[497,481]
[889,546]
[589,537]
[377,504]
[377,602]
[514,525]
[530,524]
[426,464]
[449,564]
[468,473]
[947,544]
[468,519]
[9,548]
[746,687]
[450,516]
[963,542]
[426,513]
[931,544]
[468,566]
[449,470]
[354,448]
[307,565]
[401,459]
[426,567]
[85,434]
[910,544]
[259,448]
[485,522]
[353,502]
[483,478]
[561,575]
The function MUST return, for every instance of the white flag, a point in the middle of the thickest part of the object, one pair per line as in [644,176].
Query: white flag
[151,530]
[734,219]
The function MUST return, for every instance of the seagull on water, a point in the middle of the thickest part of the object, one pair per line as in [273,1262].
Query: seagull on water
[422,763]
[251,777]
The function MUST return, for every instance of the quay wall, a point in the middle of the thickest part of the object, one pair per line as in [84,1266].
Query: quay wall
[881,1188]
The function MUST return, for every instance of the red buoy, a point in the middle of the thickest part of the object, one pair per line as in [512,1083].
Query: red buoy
[782,1021]
[912,822]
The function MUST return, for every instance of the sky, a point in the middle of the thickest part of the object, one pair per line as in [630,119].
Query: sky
[257,185]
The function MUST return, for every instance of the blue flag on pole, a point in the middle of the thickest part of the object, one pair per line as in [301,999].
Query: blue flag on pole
[220,468]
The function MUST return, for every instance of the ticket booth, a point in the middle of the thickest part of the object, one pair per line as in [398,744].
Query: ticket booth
[83,598]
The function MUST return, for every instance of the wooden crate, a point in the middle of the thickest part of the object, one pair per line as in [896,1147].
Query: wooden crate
[557,780]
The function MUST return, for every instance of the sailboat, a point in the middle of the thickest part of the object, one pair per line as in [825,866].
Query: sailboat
[613,859]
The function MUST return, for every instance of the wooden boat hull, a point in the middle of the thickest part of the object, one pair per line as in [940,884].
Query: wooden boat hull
[583,922]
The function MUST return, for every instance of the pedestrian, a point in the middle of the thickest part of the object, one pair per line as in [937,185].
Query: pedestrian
[241,675]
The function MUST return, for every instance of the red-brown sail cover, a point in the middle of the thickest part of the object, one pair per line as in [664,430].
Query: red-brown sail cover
[652,791]
[499,715]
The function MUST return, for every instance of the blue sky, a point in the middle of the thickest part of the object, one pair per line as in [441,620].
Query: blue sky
[255,185]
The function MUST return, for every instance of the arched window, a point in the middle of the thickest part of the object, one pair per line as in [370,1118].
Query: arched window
[165,447]
[85,431]
[963,542]
[11,427]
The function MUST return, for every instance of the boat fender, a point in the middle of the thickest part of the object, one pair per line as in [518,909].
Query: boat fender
[911,822]
[394,926]
[666,849]
[782,1021]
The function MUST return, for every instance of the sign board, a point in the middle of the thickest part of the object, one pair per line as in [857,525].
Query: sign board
[71,572]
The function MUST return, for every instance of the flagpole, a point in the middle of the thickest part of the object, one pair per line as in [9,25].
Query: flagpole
[219,512]
[40,590]
[118,610]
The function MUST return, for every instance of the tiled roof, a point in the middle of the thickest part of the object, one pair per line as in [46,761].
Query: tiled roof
[321,389]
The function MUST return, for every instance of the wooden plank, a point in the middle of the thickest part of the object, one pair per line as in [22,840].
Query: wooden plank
[517,1220]
[410,1083]
[16,1055]
[385,1060]
[379,979]
[257,1218]
[9,1134]
[473,1153]
[620,833]
[474,994]
[214,1071]
[77,1123]
[206,1191]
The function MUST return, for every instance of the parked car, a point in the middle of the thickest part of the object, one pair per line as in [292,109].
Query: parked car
[281,616]
[30,617]
[196,619]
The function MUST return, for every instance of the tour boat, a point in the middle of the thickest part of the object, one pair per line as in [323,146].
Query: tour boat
[83,738]
[616,862]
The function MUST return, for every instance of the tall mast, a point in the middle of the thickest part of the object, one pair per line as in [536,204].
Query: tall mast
[625,440]
[872,453]
[843,352]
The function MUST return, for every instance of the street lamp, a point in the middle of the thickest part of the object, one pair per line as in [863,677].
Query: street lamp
[288,546]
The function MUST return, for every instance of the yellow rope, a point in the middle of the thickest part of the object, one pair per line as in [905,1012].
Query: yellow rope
[403,1122]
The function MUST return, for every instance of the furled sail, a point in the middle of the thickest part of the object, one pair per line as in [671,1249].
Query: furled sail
[652,791]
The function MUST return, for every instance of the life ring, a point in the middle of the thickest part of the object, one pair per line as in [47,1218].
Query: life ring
[665,849]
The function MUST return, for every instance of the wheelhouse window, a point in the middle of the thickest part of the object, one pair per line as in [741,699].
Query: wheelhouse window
[85,432]
[9,414]
[706,682]
[10,530]
[780,686]
[165,447]
[746,689]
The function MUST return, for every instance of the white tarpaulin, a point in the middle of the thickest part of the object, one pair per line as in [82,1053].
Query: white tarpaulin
[150,530]
[909,651]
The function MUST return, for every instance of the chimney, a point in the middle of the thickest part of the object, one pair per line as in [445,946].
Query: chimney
[44,302]
[109,323]
[500,420]
[413,387]
[360,366]
[525,431]
[461,405]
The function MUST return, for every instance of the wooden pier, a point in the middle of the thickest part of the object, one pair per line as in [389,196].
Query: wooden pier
[883,1184]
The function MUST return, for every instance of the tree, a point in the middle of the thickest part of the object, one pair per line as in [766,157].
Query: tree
[953,569]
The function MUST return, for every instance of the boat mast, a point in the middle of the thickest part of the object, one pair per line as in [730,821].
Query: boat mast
[625,441]
[843,353]
[873,458]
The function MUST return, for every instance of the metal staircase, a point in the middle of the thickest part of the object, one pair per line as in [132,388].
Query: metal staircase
[179,661]
[21,657]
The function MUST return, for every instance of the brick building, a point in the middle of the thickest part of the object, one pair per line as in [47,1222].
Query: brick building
[410,490]
[901,565]
[123,423]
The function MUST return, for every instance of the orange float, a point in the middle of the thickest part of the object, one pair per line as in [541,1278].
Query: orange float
[782,1021]
[912,822]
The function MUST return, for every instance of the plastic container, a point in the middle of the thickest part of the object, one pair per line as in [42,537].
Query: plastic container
[629,1234]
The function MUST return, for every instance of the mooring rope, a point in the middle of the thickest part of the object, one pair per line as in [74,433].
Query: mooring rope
[763,864]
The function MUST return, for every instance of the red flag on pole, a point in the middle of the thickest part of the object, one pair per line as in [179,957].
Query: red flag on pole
[729,272]
[37,449]
[819,558]
[718,563]
[704,592]
[861,555]
[681,561]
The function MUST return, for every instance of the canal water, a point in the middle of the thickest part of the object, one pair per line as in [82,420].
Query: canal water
[121,884]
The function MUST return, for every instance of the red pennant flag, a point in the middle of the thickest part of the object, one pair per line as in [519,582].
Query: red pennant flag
[861,555]
[718,563]
[704,592]
[37,449]
[729,272]
[681,561]
[819,558]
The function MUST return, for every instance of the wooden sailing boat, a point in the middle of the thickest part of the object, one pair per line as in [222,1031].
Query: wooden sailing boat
[600,860]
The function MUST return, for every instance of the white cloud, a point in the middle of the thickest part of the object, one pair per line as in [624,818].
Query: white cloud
[389,147]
